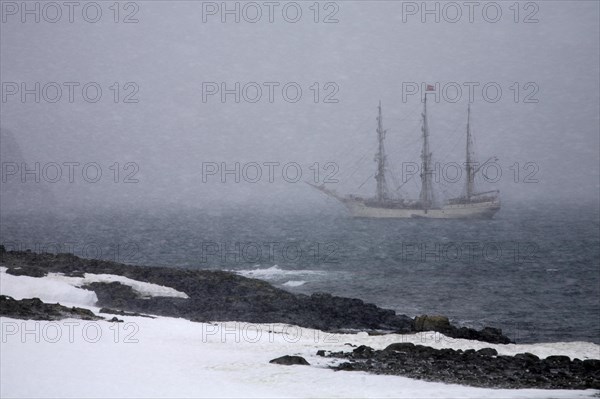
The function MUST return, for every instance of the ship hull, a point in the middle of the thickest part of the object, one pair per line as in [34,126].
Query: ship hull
[481,210]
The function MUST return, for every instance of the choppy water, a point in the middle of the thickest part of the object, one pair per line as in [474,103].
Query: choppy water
[534,273]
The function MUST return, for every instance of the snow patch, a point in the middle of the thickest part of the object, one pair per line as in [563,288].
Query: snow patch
[48,290]
[146,290]
[56,287]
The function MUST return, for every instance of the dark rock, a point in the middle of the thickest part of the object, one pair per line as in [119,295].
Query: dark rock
[27,271]
[363,350]
[493,335]
[530,357]
[442,324]
[483,368]
[349,313]
[487,334]
[290,360]
[116,320]
[558,359]
[431,323]
[400,347]
[35,309]
[112,293]
[321,352]
[592,364]
[124,313]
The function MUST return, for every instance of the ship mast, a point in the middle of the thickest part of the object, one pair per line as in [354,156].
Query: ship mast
[470,167]
[382,192]
[426,196]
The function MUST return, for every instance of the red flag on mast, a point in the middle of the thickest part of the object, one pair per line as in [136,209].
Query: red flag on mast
[430,88]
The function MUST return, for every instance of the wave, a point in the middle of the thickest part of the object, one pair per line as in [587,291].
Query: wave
[294,283]
[275,272]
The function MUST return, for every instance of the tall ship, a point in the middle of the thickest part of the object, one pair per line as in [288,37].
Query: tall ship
[470,205]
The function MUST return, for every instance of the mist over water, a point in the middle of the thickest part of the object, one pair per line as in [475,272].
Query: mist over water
[156,110]
[165,169]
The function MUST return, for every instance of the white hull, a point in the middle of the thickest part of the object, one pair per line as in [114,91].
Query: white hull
[482,210]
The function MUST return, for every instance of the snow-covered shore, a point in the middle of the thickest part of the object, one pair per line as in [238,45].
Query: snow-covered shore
[166,357]
[171,357]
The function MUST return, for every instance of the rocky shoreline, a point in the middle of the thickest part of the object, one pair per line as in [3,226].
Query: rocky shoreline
[482,368]
[35,309]
[226,296]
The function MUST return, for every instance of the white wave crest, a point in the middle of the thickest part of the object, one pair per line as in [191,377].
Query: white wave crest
[294,283]
[275,272]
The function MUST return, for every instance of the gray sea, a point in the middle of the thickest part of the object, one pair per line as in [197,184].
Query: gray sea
[534,272]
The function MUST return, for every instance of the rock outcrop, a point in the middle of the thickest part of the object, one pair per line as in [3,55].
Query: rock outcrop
[288,360]
[225,296]
[442,324]
[35,309]
[482,368]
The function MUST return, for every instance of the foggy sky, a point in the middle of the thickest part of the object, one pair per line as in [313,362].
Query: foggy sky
[368,54]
